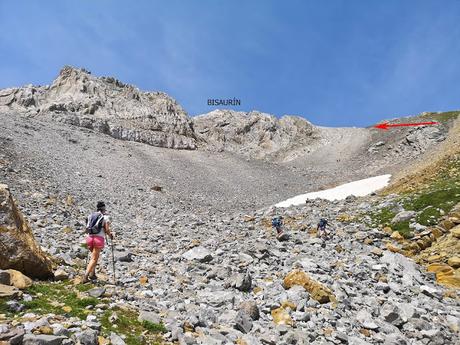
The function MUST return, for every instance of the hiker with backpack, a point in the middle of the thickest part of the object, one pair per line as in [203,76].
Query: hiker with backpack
[321,228]
[277,224]
[97,227]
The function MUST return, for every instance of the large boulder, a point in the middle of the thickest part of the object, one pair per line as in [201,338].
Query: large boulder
[318,291]
[19,280]
[19,250]
[42,339]
[403,216]
[200,254]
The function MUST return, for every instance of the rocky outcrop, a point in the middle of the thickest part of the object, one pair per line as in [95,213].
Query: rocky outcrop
[19,249]
[437,248]
[255,134]
[319,292]
[106,105]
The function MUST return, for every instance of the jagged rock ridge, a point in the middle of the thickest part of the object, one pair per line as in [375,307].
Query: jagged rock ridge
[107,105]
[123,111]
[254,134]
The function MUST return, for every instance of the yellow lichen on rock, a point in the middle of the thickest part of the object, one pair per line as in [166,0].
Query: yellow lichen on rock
[455,231]
[318,291]
[397,236]
[393,248]
[437,233]
[434,258]
[281,317]
[388,230]
[445,275]
[102,341]
[19,280]
[454,262]
[344,218]
[452,281]
[288,304]
[440,268]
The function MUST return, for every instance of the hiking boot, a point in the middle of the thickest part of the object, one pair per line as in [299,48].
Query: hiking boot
[93,277]
[85,279]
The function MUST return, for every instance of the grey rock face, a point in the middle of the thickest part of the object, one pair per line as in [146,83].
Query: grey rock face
[392,314]
[403,216]
[4,277]
[243,322]
[88,337]
[200,254]
[96,292]
[251,309]
[366,320]
[149,316]
[42,339]
[243,282]
[108,106]
[12,336]
[115,339]
[254,134]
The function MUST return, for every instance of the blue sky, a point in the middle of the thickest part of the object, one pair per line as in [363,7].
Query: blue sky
[334,62]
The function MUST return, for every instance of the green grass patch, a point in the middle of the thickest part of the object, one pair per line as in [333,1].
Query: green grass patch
[429,216]
[53,297]
[402,228]
[4,308]
[444,197]
[128,324]
[84,287]
[383,216]
[154,327]
[441,117]
[431,202]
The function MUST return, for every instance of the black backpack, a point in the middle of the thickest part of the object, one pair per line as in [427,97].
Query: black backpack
[322,223]
[277,222]
[94,224]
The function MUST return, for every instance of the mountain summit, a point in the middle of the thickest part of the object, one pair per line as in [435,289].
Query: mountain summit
[123,111]
[107,105]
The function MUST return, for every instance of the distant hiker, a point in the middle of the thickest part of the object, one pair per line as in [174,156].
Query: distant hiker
[97,227]
[321,228]
[277,223]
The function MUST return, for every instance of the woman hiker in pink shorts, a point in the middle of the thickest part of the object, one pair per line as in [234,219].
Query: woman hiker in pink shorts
[96,227]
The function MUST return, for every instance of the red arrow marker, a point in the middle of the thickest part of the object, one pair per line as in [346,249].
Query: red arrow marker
[385,126]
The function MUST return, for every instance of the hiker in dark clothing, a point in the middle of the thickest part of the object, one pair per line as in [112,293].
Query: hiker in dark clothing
[321,228]
[277,223]
[97,227]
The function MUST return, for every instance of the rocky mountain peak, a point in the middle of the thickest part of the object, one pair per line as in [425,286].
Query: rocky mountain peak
[254,134]
[107,105]
[123,111]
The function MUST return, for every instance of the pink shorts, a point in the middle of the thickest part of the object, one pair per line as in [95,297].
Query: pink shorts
[93,241]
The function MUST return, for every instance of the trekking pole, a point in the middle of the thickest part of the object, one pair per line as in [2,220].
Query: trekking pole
[113,264]
[86,262]
[87,255]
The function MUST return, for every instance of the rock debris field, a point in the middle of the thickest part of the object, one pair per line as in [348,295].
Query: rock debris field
[195,253]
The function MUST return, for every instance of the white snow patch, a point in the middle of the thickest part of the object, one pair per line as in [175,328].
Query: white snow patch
[356,188]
